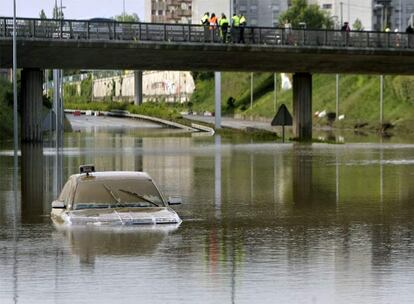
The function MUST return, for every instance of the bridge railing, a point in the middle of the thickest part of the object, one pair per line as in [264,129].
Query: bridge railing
[129,31]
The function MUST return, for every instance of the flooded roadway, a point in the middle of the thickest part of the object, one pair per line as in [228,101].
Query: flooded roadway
[262,222]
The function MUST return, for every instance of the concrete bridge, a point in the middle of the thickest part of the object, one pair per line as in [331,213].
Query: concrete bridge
[88,44]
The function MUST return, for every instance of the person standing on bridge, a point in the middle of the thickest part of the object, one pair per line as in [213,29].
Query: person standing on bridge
[410,33]
[345,33]
[235,24]
[224,27]
[206,21]
[213,26]
[243,23]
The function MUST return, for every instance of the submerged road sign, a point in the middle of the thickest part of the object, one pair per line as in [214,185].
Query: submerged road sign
[282,118]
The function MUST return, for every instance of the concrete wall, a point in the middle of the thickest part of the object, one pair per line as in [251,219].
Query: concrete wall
[168,86]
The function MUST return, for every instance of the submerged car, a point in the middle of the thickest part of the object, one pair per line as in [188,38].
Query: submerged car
[112,198]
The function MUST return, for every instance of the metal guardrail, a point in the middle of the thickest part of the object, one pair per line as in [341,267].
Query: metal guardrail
[188,33]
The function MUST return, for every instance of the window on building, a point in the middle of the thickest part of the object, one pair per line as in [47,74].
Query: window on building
[327,6]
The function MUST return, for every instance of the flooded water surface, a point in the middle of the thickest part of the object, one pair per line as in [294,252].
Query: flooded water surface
[263,222]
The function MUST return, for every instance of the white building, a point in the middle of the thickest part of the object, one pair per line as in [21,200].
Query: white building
[348,11]
[165,86]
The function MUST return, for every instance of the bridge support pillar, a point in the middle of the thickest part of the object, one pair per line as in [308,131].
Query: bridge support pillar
[138,95]
[302,106]
[32,103]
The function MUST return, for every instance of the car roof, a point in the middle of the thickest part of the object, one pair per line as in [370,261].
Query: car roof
[110,175]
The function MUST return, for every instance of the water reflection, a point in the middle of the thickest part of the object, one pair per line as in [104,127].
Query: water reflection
[262,222]
[91,242]
[32,179]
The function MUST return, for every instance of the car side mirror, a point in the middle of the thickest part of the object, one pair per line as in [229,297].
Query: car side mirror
[58,205]
[174,201]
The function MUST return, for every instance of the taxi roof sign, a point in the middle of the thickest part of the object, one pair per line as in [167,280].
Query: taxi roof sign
[86,169]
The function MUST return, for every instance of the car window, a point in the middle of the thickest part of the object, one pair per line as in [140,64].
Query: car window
[64,195]
[116,193]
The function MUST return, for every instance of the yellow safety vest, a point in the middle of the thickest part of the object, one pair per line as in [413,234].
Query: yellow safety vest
[243,21]
[204,20]
[236,21]
[223,21]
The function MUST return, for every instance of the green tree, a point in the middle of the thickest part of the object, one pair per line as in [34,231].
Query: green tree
[357,26]
[42,14]
[127,18]
[311,15]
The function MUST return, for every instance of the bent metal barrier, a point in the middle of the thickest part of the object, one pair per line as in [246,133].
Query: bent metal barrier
[188,33]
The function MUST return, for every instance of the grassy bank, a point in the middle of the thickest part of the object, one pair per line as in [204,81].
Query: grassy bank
[6,108]
[359,98]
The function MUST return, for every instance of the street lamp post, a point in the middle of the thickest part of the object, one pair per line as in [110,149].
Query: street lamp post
[15,118]
[123,11]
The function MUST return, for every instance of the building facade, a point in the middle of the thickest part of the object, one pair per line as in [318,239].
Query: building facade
[6,74]
[375,15]
[168,11]
[168,86]
[348,11]
[200,7]
[395,14]
[261,12]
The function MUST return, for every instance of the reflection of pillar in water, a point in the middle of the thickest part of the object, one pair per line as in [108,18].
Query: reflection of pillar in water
[302,175]
[217,175]
[381,161]
[58,171]
[32,181]
[138,155]
[337,178]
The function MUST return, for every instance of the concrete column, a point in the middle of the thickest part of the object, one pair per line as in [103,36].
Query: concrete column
[32,178]
[138,95]
[302,106]
[31,96]
[217,114]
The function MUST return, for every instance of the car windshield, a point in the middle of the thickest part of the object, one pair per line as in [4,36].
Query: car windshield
[128,193]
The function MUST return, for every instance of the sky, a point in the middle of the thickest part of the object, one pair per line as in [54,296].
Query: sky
[75,9]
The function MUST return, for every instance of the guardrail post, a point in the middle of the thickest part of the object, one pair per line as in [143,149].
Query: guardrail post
[139,32]
[367,39]
[189,33]
[304,37]
[260,36]
[4,27]
[165,32]
[326,38]
[115,30]
[33,28]
[87,30]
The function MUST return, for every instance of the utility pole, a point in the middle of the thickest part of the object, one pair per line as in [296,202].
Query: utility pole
[123,18]
[381,99]
[349,12]
[337,96]
[15,117]
[275,93]
[342,12]
[251,90]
